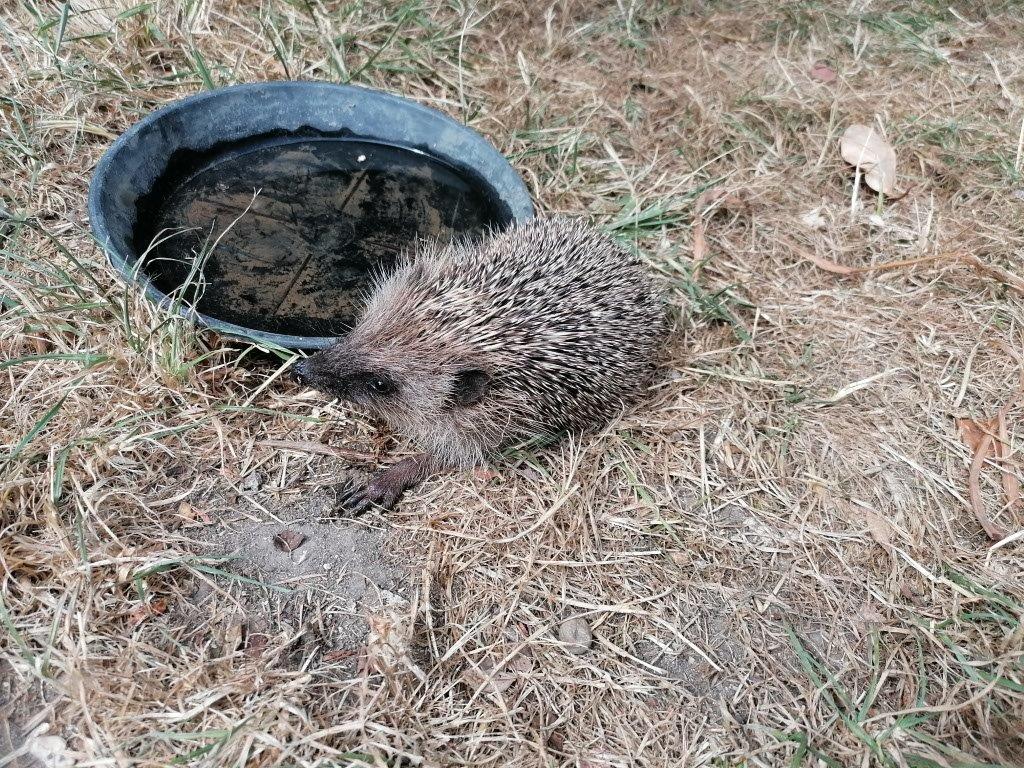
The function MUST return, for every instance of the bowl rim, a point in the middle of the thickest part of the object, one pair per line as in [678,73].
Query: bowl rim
[520,206]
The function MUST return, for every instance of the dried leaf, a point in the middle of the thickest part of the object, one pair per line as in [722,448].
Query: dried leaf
[485,673]
[389,640]
[868,618]
[863,147]
[1008,278]
[255,644]
[974,487]
[829,266]
[143,611]
[576,635]
[879,528]
[823,73]
[734,201]
[986,439]
[973,432]
[289,540]
[700,243]
[187,512]
[1011,485]
[681,558]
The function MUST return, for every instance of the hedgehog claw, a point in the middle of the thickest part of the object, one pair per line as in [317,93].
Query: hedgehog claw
[385,488]
[353,497]
[358,498]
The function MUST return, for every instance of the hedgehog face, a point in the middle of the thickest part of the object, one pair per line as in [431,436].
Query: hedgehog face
[392,387]
[335,375]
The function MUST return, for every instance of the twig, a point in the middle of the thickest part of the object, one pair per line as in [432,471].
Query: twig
[303,446]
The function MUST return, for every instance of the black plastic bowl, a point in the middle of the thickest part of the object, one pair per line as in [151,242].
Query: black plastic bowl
[132,176]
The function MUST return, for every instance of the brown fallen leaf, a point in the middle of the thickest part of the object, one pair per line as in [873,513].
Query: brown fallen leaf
[142,612]
[973,432]
[1011,485]
[1000,274]
[867,619]
[993,531]
[735,201]
[985,439]
[255,645]
[485,673]
[289,540]
[828,265]
[700,242]
[865,148]
[823,73]
[879,528]
[681,558]
[496,674]
[187,512]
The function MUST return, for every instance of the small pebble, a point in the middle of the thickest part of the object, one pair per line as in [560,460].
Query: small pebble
[576,635]
[250,483]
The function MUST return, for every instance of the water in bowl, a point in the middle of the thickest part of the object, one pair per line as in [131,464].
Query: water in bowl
[284,234]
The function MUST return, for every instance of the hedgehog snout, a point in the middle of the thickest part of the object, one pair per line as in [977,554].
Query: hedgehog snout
[302,372]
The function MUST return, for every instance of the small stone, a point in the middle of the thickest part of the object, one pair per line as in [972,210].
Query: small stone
[250,483]
[288,540]
[50,751]
[576,635]
[814,219]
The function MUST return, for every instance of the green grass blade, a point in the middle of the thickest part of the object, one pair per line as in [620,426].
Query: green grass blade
[38,427]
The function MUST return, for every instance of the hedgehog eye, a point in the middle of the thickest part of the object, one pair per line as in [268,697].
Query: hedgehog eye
[379,385]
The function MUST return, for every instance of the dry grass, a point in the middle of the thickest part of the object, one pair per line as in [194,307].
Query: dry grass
[788,516]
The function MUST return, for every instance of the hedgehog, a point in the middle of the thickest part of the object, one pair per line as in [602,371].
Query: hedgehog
[546,328]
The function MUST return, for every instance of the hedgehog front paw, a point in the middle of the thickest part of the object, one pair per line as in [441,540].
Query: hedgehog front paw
[357,498]
[385,487]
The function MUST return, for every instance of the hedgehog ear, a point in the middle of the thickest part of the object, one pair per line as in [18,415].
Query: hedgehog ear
[470,386]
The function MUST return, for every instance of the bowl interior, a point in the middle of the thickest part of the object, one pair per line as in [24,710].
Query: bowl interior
[264,211]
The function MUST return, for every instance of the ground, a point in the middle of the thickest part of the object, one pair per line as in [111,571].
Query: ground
[780,557]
